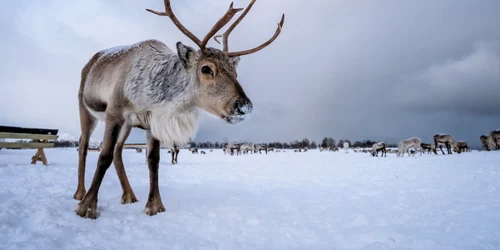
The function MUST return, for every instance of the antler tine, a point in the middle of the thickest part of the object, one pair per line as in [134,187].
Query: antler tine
[168,12]
[228,31]
[221,23]
[250,51]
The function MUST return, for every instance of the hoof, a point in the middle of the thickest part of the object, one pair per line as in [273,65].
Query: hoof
[87,209]
[79,194]
[153,207]
[128,198]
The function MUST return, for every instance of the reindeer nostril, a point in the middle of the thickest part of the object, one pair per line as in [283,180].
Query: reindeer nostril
[238,108]
[239,111]
[242,107]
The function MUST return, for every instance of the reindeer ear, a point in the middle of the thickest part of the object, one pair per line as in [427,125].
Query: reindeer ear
[235,60]
[187,55]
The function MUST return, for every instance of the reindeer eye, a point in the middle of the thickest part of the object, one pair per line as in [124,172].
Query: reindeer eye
[206,70]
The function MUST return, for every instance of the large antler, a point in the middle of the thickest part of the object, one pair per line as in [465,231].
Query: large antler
[231,28]
[249,51]
[202,44]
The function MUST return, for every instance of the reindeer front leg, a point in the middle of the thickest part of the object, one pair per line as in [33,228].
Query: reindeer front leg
[154,204]
[87,207]
[176,154]
[173,156]
[441,147]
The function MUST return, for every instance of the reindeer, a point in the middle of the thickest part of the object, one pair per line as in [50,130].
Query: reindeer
[405,145]
[194,150]
[462,146]
[203,152]
[426,147]
[379,146]
[447,140]
[346,147]
[259,149]
[484,142]
[494,140]
[246,148]
[231,147]
[175,152]
[149,86]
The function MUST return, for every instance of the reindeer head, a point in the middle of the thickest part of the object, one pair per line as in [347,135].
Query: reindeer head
[456,147]
[219,91]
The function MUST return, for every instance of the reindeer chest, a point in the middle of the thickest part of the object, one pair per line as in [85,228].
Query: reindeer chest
[169,125]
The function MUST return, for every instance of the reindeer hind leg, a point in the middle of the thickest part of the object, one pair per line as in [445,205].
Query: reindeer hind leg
[128,195]
[87,124]
[87,207]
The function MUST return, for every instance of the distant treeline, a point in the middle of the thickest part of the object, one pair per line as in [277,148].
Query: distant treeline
[65,144]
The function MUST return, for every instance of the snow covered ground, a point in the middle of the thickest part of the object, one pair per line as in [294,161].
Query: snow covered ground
[312,200]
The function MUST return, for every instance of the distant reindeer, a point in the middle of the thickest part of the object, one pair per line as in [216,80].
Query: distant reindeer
[346,147]
[484,142]
[447,140]
[175,152]
[247,148]
[149,86]
[463,146]
[405,145]
[231,148]
[260,148]
[203,152]
[193,150]
[379,146]
[426,147]
[235,148]
[494,140]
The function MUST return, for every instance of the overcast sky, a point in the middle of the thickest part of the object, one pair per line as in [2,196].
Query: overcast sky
[383,70]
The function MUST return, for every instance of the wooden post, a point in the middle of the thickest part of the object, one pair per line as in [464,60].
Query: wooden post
[39,156]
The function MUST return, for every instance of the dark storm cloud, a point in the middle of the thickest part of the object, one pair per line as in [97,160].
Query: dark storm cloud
[348,69]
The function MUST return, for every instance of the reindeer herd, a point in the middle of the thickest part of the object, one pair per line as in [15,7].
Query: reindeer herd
[408,146]
[412,145]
